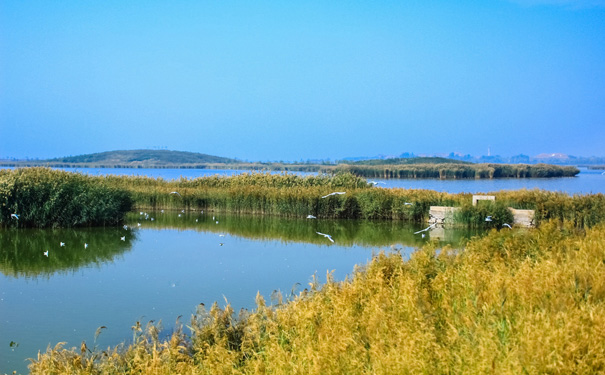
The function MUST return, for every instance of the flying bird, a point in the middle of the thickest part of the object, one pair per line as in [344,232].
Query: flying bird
[489,218]
[46,253]
[326,236]
[311,217]
[123,238]
[14,216]
[85,245]
[507,225]
[334,193]
[177,193]
[408,204]
[61,244]
[427,228]
[375,182]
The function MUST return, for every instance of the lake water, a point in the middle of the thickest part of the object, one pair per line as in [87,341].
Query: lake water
[167,267]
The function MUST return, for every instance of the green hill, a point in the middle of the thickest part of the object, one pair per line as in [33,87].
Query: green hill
[143,158]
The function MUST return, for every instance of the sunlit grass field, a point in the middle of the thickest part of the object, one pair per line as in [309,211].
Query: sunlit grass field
[512,302]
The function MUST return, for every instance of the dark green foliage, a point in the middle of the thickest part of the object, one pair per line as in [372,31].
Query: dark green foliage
[43,198]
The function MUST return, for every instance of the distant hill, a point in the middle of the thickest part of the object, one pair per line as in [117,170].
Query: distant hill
[146,158]
[413,160]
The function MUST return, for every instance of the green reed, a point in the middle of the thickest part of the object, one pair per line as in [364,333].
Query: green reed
[42,197]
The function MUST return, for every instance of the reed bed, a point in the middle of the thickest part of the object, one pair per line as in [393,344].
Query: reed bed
[512,302]
[458,171]
[43,197]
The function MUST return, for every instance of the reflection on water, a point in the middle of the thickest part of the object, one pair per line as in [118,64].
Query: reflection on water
[43,252]
[166,267]
[376,234]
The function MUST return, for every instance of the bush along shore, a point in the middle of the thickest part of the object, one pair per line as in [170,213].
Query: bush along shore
[512,302]
[44,198]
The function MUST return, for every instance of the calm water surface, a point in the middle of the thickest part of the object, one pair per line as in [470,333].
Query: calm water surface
[165,268]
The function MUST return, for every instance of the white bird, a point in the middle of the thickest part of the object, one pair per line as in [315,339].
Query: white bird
[217,221]
[162,211]
[46,253]
[408,204]
[152,219]
[138,224]
[422,235]
[183,211]
[427,228]
[177,193]
[125,227]
[507,225]
[179,215]
[123,238]
[311,217]
[61,244]
[141,213]
[334,193]
[196,220]
[376,182]
[14,216]
[326,236]
[221,235]
[489,218]
[85,245]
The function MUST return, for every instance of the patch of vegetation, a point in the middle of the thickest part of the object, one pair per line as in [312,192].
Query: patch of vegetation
[45,198]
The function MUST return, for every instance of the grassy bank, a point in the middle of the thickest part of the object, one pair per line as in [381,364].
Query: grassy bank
[512,302]
[46,198]
[43,197]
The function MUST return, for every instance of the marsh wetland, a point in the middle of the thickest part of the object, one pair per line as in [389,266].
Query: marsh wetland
[168,266]
[161,255]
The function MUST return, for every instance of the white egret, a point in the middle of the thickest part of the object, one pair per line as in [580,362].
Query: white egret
[123,238]
[325,235]
[408,204]
[489,218]
[179,215]
[507,225]
[85,245]
[375,182]
[61,244]
[217,221]
[14,216]
[335,193]
[138,224]
[125,227]
[311,217]
[427,228]
[177,193]
[46,253]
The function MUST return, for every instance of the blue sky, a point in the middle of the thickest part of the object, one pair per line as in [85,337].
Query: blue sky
[270,80]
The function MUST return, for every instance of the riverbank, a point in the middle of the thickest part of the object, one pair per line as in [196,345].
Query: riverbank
[511,302]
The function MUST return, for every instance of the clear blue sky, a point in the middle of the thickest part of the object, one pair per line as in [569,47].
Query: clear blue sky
[271,80]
